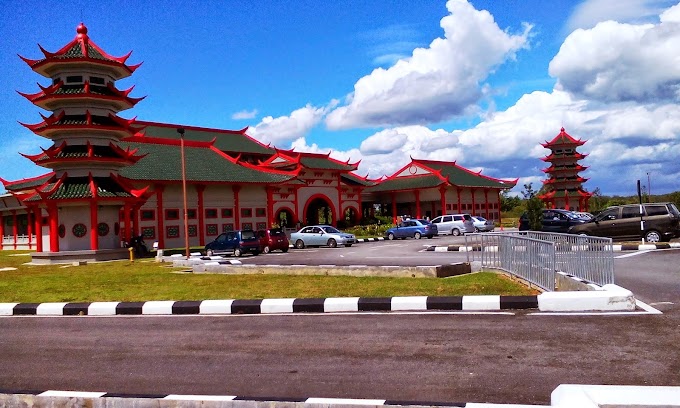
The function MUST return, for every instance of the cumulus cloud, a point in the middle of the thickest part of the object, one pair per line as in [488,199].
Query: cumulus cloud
[244,114]
[590,12]
[622,62]
[437,82]
[285,129]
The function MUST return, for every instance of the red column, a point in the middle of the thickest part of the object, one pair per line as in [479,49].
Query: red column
[472,191]
[201,216]
[270,207]
[126,220]
[458,191]
[237,207]
[2,229]
[135,220]
[94,231]
[14,227]
[53,214]
[394,209]
[38,229]
[361,205]
[442,200]
[418,204]
[341,214]
[486,203]
[500,220]
[160,215]
[296,203]
[29,225]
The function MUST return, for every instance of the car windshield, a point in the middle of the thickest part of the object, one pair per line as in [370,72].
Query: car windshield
[674,210]
[330,230]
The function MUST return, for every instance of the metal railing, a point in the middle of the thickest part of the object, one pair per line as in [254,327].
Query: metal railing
[536,256]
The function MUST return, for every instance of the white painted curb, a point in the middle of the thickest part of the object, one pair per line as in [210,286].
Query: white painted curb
[618,299]
[595,396]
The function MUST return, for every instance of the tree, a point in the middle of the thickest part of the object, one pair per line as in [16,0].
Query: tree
[534,206]
[509,202]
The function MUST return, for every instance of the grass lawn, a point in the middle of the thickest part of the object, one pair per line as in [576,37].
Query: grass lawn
[147,280]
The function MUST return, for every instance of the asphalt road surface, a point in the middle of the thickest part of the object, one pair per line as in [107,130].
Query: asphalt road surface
[503,358]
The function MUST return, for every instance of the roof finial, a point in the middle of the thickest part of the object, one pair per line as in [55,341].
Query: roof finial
[562,130]
[81,30]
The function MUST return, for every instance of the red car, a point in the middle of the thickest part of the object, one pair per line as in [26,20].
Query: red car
[271,239]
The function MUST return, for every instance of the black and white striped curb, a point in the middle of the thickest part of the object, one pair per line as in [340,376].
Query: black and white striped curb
[376,239]
[615,248]
[273,306]
[14,396]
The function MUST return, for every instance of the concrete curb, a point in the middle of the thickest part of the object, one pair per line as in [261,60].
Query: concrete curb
[272,306]
[615,248]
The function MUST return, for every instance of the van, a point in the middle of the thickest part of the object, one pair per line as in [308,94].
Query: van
[454,224]
[272,239]
[234,242]
[658,222]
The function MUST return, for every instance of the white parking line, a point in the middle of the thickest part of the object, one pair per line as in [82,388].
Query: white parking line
[636,253]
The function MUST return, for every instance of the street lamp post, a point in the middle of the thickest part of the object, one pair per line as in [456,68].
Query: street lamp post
[184,193]
[649,189]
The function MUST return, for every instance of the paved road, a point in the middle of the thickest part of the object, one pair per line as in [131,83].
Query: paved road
[516,358]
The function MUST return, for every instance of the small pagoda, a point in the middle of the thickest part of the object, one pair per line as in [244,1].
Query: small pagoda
[82,195]
[564,186]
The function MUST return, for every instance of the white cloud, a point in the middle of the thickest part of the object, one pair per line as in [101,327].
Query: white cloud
[622,62]
[437,82]
[244,114]
[590,12]
[285,129]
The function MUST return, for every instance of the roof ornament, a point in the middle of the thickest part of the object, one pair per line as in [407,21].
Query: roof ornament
[81,30]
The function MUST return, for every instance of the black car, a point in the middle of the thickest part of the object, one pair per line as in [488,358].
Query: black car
[234,242]
[554,220]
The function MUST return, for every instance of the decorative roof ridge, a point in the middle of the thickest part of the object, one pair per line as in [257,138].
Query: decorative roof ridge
[478,174]
[137,193]
[291,173]
[563,133]
[7,183]
[141,138]
[197,128]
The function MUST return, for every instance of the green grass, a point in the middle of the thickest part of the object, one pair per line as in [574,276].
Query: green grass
[144,280]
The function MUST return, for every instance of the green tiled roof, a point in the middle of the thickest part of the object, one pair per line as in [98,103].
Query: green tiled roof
[461,177]
[225,141]
[76,51]
[406,183]
[351,178]
[38,181]
[79,187]
[79,89]
[82,120]
[324,163]
[163,162]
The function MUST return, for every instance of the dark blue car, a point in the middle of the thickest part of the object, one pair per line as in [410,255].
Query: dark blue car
[412,228]
[234,242]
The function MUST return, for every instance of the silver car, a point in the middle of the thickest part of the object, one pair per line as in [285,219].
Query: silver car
[482,224]
[454,224]
[321,235]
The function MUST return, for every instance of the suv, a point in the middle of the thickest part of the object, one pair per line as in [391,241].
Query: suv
[271,239]
[554,220]
[454,224]
[234,242]
[660,222]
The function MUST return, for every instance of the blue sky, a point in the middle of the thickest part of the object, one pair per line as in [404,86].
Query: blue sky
[480,82]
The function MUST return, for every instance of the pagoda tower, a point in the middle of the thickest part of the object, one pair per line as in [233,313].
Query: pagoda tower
[83,194]
[564,185]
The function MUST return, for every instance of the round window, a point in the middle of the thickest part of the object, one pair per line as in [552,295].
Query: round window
[79,230]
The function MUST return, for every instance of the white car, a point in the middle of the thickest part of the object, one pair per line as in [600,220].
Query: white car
[321,235]
[454,224]
[482,224]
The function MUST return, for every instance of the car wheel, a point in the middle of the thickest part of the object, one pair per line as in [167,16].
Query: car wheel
[430,236]
[209,252]
[455,232]
[285,249]
[653,236]
[477,229]
[257,252]
[390,236]
[417,235]
[348,245]
[238,252]
[332,243]
[266,249]
[299,244]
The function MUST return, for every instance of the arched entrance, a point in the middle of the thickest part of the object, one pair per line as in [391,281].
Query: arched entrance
[284,217]
[351,216]
[319,210]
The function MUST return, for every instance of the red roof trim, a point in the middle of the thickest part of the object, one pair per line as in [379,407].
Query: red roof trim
[25,180]
[554,141]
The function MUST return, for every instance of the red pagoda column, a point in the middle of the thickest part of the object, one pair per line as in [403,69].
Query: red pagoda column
[394,208]
[458,191]
[94,233]
[486,203]
[38,230]
[442,199]
[53,214]
[29,225]
[160,215]
[14,227]
[472,192]
[237,207]
[417,192]
[2,229]
[270,207]
[126,220]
